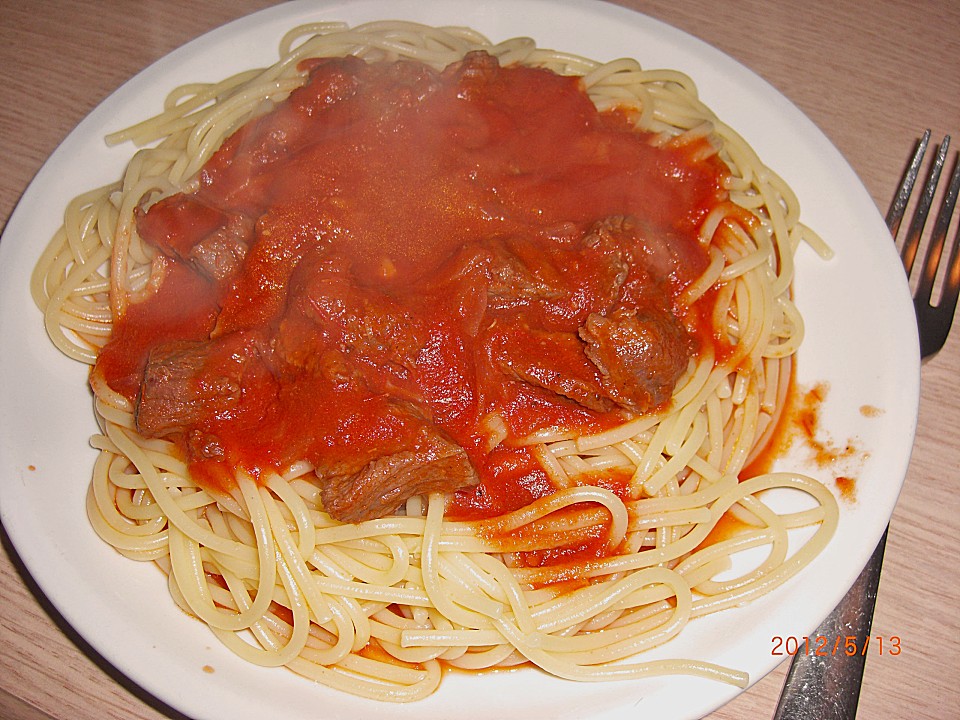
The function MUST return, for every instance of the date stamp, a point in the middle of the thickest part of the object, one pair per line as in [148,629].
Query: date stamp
[825,646]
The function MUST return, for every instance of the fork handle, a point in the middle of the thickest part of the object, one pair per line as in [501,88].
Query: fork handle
[827,686]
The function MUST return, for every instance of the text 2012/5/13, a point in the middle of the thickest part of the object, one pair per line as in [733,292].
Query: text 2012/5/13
[822,645]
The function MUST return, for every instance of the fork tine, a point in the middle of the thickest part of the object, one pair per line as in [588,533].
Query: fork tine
[951,287]
[912,242]
[937,238]
[935,321]
[899,204]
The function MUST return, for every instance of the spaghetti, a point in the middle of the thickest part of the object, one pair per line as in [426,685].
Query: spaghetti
[378,607]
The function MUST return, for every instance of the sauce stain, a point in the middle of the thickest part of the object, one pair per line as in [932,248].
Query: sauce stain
[800,424]
[727,528]
[847,487]
[826,451]
[870,411]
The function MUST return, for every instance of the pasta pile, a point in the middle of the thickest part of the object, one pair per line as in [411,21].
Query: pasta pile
[378,608]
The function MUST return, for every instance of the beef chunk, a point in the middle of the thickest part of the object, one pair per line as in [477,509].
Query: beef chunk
[566,279]
[456,284]
[516,280]
[213,240]
[432,463]
[585,317]
[639,346]
[169,397]
[329,310]
[220,254]
[551,360]
[186,382]
[609,249]
[366,323]
[640,354]
[478,66]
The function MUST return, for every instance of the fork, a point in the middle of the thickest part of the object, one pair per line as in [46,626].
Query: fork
[820,687]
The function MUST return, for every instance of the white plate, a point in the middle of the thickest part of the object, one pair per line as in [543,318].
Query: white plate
[121,607]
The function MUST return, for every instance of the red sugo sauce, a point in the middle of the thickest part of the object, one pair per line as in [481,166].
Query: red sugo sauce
[393,237]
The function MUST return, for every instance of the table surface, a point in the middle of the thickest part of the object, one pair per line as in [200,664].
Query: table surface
[872,74]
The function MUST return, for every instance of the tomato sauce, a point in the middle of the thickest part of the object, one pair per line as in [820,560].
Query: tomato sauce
[369,193]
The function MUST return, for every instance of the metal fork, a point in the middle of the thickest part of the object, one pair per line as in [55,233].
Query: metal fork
[828,687]
[933,321]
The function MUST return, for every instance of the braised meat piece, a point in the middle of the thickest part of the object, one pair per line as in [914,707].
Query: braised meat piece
[457,284]
[562,280]
[365,323]
[328,310]
[214,241]
[608,254]
[583,316]
[640,354]
[431,463]
[551,360]
[516,281]
[476,69]
[186,382]
[220,254]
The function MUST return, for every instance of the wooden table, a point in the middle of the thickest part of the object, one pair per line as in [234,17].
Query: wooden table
[871,73]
